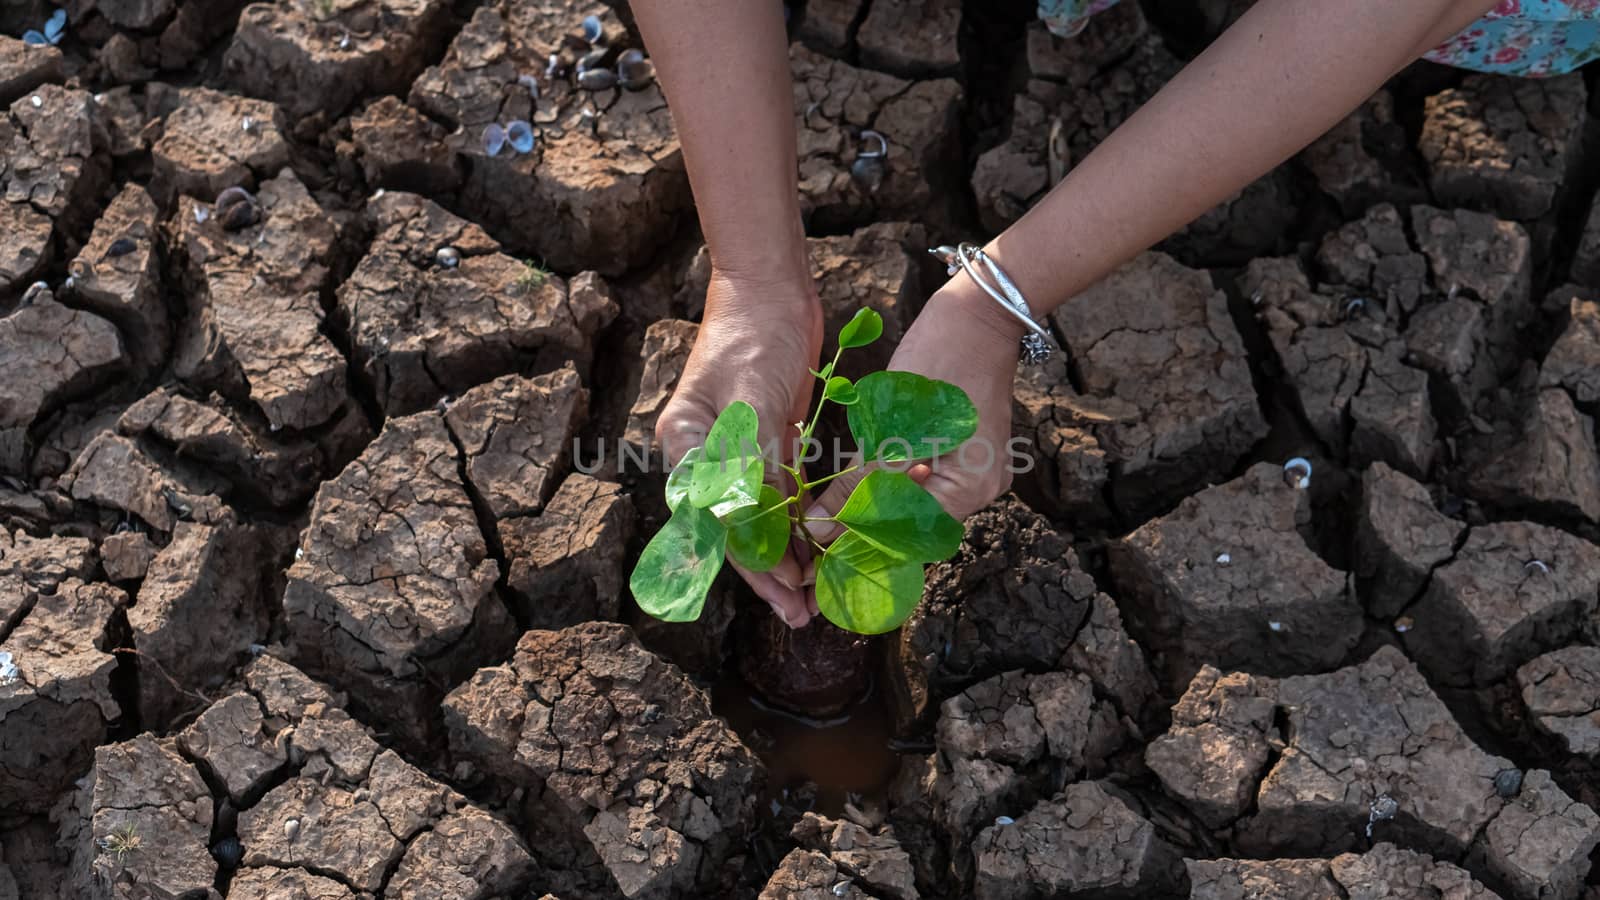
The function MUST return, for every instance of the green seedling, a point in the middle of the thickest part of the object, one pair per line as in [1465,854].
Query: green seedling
[532,278]
[122,840]
[870,579]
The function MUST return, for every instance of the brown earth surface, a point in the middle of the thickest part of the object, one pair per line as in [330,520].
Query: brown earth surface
[322,470]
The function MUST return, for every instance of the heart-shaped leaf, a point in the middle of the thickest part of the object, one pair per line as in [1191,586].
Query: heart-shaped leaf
[898,516]
[862,329]
[678,565]
[758,535]
[728,472]
[840,390]
[862,589]
[902,415]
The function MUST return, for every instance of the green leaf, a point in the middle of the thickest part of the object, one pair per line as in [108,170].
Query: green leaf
[728,472]
[758,535]
[862,589]
[863,329]
[827,371]
[678,565]
[896,515]
[902,416]
[840,390]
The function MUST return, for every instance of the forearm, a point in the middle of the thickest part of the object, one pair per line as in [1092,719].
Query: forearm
[724,65]
[1279,78]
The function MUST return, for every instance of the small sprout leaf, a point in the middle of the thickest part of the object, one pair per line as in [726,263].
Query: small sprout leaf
[758,535]
[863,329]
[678,480]
[678,565]
[862,589]
[896,515]
[729,471]
[825,374]
[904,416]
[841,390]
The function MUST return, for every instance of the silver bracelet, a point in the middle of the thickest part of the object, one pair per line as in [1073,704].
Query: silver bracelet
[982,269]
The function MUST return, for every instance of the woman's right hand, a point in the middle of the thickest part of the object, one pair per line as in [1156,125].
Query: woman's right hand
[759,340]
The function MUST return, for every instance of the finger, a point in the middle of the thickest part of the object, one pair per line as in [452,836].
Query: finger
[832,499]
[788,603]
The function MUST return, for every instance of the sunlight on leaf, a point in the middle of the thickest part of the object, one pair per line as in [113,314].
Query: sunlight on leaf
[841,391]
[728,473]
[901,416]
[863,329]
[862,589]
[898,516]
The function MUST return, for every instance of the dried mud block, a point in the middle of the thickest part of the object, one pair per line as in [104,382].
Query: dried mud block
[54,145]
[126,556]
[913,38]
[1140,340]
[618,752]
[45,562]
[1112,660]
[319,794]
[1488,260]
[24,67]
[1106,38]
[282,470]
[1385,872]
[1539,459]
[31,867]
[49,354]
[1586,260]
[665,352]
[1086,841]
[56,707]
[311,58]
[273,883]
[1400,539]
[123,283]
[1212,757]
[214,141]
[198,611]
[421,329]
[1561,691]
[139,825]
[809,875]
[24,245]
[833,103]
[1070,469]
[598,191]
[877,267]
[567,562]
[400,148]
[254,332]
[1574,362]
[1012,597]
[1503,145]
[1363,160]
[873,857]
[1227,579]
[829,25]
[516,434]
[1373,739]
[1373,257]
[392,594]
[1492,608]
[115,472]
[1539,844]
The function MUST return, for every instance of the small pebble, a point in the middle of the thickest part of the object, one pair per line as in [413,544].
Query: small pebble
[593,30]
[201,214]
[1539,564]
[291,829]
[1004,820]
[228,852]
[1297,473]
[248,124]
[8,669]
[1404,624]
[1383,808]
[120,247]
[1508,782]
[842,888]
[448,257]
[1275,626]
[1224,559]
[36,101]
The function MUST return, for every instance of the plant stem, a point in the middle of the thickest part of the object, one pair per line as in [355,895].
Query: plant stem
[811,426]
[825,479]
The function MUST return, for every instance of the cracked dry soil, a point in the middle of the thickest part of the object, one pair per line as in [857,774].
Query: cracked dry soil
[316,506]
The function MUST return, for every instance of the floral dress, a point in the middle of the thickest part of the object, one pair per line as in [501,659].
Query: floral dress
[1534,38]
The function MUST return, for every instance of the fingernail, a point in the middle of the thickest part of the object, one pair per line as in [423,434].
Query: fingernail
[785,582]
[778,611]
[822,531]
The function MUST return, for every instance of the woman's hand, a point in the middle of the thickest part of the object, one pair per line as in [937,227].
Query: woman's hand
[758,341]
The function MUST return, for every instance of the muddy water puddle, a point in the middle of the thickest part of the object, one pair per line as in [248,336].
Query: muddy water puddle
[845,756]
